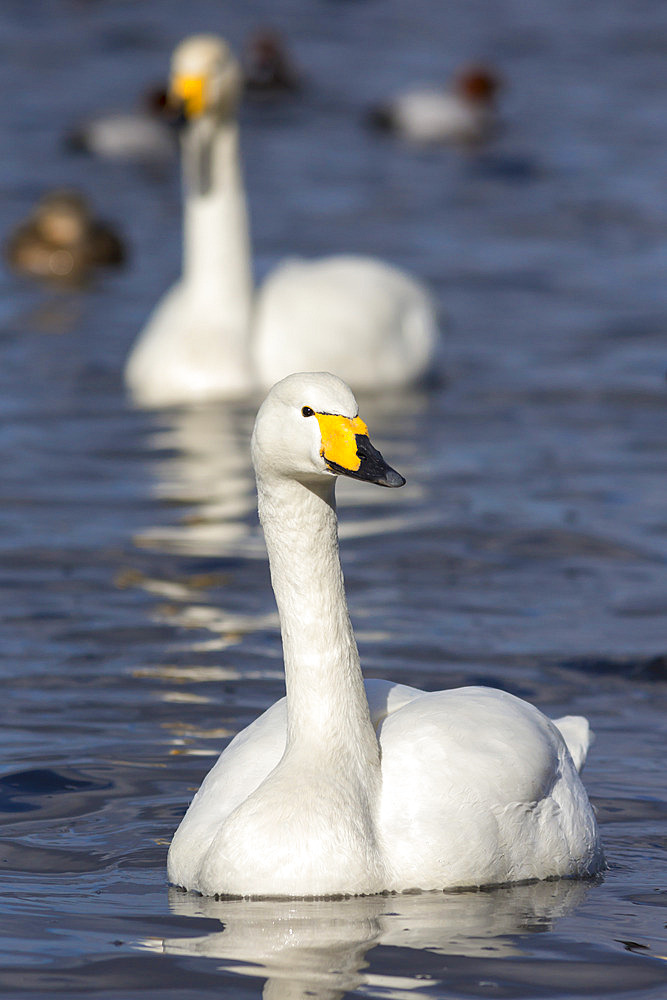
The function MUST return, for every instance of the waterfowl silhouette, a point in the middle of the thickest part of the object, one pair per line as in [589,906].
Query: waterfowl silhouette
[211,335]
[351,788]
[464,113]
[61,242]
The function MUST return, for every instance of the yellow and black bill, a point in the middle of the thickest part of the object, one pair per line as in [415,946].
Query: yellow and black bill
[347,451]
[188,95]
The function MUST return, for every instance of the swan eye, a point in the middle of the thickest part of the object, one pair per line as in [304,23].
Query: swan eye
[307,412]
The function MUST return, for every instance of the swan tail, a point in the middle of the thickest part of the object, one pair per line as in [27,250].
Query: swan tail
[578,737]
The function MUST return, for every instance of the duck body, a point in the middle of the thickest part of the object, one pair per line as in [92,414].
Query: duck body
[351,788]
[62,243]
[431,116]
[127,136]
[212,336]
[464,114]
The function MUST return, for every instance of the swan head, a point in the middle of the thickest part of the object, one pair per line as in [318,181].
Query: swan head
[308,428]
[205,78]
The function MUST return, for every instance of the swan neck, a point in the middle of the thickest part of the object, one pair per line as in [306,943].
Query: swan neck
[216,242]
[327,706]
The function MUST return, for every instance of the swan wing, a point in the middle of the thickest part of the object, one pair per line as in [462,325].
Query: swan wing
[239,770]
[478,788]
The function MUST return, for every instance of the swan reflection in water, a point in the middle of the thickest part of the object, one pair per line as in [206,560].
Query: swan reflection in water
[200,461]
[320,948]
[201,467]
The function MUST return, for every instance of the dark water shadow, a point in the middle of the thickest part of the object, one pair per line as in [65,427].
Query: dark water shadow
[33,789]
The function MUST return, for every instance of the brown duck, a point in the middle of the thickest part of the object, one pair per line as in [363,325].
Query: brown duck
[61,242]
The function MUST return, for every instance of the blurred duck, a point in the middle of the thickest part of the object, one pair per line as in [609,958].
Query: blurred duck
[144,136]
[465,113]
[61,242]
[211,336]
[267,66]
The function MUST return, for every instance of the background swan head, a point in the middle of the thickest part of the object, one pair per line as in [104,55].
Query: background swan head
[205,78]
[309,429]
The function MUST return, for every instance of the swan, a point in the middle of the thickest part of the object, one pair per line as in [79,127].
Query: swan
[463,113]
[211,336]
[346,788]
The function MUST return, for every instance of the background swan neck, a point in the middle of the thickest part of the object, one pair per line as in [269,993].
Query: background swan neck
[326,698]
[216,242]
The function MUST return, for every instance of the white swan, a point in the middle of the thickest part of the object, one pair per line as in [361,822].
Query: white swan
[210,337]
[342,788]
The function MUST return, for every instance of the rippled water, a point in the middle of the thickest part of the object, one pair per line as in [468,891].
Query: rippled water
[527,550]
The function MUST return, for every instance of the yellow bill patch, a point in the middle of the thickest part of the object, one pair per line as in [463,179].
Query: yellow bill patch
[339,439]
[190,90]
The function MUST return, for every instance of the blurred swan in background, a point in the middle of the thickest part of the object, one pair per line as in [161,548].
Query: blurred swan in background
[202,471]
[61,242]
[465,113]
[346,788]
[210,336]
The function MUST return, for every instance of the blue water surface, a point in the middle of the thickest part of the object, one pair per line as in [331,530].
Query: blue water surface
[527,551]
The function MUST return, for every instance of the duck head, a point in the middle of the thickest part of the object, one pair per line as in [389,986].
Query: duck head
[478,84]
[62,218]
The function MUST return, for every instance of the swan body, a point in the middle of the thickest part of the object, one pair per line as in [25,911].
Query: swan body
[194,346]
[464,114]
[351,788]
[344,301]
[211,336]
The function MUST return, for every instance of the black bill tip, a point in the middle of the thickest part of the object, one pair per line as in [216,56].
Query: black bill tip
[372,466]
[392,478]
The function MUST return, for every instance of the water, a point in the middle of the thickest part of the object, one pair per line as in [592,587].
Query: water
[527,550]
